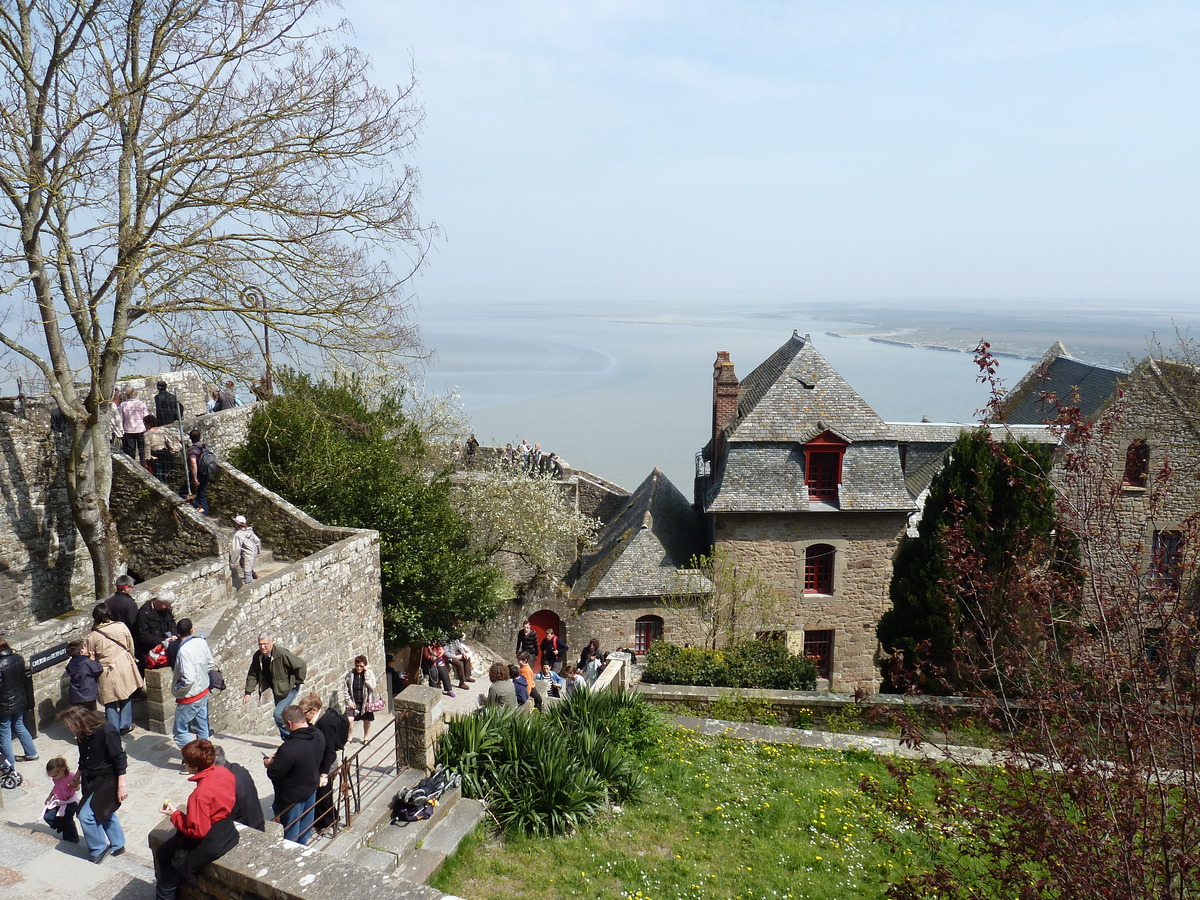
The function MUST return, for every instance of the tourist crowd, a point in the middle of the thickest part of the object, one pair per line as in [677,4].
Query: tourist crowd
[104,671]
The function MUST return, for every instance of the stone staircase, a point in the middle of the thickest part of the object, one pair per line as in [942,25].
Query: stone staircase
[413,851]
[266,563]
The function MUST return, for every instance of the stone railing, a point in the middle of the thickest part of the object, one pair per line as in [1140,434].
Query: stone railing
[263,865]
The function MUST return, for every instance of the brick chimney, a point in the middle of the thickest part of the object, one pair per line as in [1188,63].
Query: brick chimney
[725,403]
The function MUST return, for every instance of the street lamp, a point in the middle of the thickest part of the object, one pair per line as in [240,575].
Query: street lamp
[253,298]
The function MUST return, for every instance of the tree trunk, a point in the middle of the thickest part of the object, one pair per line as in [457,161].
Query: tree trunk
[88,470]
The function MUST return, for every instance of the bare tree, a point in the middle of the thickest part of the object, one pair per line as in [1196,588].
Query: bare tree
[178,174]
[723,600]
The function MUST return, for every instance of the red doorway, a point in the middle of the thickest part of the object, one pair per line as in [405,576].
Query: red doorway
[540,621]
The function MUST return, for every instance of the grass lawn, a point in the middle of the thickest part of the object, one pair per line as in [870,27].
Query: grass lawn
[723,819]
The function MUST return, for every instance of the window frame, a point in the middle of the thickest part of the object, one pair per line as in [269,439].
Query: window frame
[816,639]
[819,561]
[824,456]
[1137,464]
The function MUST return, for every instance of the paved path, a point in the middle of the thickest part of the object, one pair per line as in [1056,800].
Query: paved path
[778,734]
[35,863]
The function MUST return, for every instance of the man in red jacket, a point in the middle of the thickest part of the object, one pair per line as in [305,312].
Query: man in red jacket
[205,830]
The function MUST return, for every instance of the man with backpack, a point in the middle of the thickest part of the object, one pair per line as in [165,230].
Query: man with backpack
[202,463]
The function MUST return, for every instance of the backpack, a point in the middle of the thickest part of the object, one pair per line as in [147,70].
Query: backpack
[418,802]
[207,463]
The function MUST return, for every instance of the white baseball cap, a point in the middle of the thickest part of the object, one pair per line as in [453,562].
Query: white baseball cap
[240,520]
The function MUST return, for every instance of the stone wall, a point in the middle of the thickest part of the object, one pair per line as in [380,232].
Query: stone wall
[326,608]
[596,497]
[286,529]
[225,430]
[159,530]
[774,547]
[187,386]
[40,569]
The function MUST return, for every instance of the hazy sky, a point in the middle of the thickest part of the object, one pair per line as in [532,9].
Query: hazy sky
[802,150]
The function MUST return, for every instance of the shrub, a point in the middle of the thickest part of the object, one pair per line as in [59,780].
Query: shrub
[549,774]
[748,664]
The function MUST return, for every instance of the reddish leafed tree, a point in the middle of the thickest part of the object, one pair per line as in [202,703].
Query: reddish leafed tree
[1096,787]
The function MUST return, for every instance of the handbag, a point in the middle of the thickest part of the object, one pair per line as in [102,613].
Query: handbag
[216,681]
[375,705]
[157,657]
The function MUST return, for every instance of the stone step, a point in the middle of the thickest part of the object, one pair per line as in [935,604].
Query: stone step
[443,839]
[374,816]
[402,839]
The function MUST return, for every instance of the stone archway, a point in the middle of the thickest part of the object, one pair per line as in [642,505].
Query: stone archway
[539,622]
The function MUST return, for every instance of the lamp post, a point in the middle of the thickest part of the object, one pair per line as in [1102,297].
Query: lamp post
[253,298]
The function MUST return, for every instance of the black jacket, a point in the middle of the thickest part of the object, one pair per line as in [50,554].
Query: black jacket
[549,654]
[122,608]
[84,672]
[13,697]
[167,408]
[101,759]
[151,627]
[248,809]
[528,642]
[335,729]
[296,769]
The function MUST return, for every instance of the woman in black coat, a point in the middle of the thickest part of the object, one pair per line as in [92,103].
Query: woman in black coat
[336,730]
[102,765]
[13,701]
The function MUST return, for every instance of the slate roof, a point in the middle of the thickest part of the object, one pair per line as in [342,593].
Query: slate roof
[928,442]
[795,395]
[645,550]
[1062,375]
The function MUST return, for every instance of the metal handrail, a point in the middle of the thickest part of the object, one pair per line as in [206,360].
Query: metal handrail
[371,766]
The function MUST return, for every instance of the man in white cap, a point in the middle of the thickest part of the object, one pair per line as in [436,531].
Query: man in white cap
[243,549]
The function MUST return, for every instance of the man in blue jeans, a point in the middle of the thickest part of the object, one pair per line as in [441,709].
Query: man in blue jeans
[278,669]
[295,770]
[193,662]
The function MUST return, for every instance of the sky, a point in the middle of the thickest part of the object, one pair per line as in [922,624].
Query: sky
[969,151]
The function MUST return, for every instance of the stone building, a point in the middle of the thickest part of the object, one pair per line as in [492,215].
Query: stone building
[1135,497]
[804,484]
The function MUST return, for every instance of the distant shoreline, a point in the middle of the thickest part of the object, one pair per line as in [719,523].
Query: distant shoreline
[921,345]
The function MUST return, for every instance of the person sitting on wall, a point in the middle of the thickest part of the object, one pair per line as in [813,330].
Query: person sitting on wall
[154,625]
[248,808]
[502,691]
[548,683]
[205,831]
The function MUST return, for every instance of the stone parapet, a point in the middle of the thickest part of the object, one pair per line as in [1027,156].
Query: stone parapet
[266,866]
[159,707]
[421,724]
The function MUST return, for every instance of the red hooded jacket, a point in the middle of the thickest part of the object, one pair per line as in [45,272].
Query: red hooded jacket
[212,800]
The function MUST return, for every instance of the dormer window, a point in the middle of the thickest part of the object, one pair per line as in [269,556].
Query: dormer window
[823,467]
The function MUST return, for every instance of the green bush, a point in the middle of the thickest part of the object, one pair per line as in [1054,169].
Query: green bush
[549,774]
[748,664]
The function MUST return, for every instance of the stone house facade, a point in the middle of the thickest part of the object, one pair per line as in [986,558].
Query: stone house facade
[1135,496]
[803,484]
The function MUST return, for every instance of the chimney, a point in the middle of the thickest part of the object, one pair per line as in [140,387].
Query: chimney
[725,403]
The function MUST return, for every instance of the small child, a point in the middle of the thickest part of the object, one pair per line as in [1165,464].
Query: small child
[84,673]
[63,800]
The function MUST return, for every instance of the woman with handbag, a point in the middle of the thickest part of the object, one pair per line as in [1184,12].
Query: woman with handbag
[111,645]
[360,696]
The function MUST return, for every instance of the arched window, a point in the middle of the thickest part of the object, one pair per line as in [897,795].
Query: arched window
[818,569]
[1137,464]
[647,630]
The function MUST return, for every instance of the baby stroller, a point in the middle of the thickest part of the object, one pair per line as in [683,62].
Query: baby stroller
[9,777]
